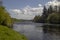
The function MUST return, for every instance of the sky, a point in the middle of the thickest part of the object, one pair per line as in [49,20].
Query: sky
[22,3]
[26,9]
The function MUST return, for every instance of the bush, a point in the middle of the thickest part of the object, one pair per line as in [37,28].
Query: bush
[5,18]
[37,18]
[54,18]
[9,34]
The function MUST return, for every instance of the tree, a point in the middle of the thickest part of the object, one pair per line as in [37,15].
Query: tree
[37,19]
[44,11]
[5,18]
[44,15]
[54,18]
[50,10]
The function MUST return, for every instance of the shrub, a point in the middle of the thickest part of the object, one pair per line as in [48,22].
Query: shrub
[54,18]
[5,18]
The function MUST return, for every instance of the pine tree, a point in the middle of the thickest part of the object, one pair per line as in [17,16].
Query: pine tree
[44,11]
[44,14]
[50,10]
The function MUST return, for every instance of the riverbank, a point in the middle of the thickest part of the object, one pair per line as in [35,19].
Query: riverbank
[9,34]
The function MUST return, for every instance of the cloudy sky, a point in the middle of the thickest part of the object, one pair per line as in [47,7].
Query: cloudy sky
[27,9]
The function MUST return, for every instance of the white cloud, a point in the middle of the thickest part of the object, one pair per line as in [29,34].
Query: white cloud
[18,11]
[33,11]
[39,5]
[53,3]
[27,12]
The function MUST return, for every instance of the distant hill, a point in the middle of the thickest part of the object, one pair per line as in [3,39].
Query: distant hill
[17,20]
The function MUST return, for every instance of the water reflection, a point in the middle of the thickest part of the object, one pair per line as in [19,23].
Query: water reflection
[39,32]
[51,28]
[51,32]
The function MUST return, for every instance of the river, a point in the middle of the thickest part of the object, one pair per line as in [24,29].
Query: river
[36,31]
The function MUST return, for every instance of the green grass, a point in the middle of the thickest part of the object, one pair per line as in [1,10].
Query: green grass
[9,34]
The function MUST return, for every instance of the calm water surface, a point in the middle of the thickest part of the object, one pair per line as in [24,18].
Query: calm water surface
[36,32]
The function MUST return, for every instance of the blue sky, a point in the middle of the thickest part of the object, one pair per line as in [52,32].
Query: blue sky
[19,9]
[22,3]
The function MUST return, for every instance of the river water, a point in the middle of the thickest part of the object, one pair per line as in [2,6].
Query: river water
[36,32]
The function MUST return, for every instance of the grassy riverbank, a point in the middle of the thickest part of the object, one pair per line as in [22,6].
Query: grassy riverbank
[9,34]
[6,23]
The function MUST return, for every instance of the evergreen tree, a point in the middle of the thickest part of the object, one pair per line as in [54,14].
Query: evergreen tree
[37,19]
[44,14]
[50,10]
[44,11]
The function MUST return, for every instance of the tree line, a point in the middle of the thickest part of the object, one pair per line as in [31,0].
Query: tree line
[49,15]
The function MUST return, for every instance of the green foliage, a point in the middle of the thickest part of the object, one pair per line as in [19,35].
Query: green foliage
[9,34]
[5,18]
[37,18]
[50,15]
[41,19]
[44,15]
[53,18]
[50,10]
[17,20]
[44,11]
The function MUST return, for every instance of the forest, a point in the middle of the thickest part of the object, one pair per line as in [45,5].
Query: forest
[49,15]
